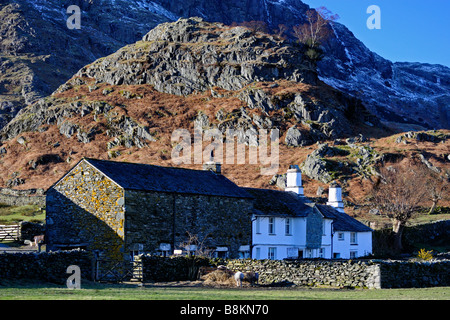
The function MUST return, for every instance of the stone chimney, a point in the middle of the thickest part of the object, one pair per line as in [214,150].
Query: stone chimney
[335,196]
[211,165]
[294,180]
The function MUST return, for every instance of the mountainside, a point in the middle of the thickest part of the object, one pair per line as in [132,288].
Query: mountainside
[181,75]
[38,53]
[195,74]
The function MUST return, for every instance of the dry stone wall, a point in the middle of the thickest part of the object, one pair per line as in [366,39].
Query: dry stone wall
[373,274]
[44,266]
[13,197]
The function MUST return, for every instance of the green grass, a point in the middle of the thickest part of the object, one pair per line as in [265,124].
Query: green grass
[94,291]
[12,214]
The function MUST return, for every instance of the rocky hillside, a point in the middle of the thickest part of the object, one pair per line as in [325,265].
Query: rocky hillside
[38,53]
[193,73]
[192,56]
[180,75]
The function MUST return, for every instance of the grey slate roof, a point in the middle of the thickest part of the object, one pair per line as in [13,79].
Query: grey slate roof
[284,204]
[343,222]
[144,177]
[278,203]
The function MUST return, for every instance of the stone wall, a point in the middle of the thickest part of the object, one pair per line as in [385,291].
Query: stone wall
[86,208]
[13,197]
[157,217]
[311,273]
[351,273]
[404,274]
[44,266]
[89,209]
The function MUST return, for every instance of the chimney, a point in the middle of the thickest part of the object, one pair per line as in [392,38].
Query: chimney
[294,180]
[211,165]
[335,197]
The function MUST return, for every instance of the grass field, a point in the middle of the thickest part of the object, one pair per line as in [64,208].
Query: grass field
[12,214]
[95,291]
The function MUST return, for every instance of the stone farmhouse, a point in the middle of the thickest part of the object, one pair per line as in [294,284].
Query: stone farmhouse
[118,210]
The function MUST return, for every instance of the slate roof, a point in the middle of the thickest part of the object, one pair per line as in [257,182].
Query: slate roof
[284,204]
[278,203]
[144,177]
[343,222]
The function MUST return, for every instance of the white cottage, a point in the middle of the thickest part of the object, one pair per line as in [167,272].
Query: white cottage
[286,224]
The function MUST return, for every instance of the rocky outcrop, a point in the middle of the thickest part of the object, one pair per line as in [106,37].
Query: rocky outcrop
[193,55]
[38,53]
[295,138]
[316,167]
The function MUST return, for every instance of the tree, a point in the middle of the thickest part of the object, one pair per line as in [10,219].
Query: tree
[397,195]
[198,254]
[315,32]
[436,186]
[281,30]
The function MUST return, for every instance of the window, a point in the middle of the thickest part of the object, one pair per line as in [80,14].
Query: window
[321,252]
[324,225]
[164,249]
[272,253]
[135,250]
[340,236]
[271,225]
[244,252]
[288,227]
[258,253]
[353,254]
[336,255]
[221,252]
[353,238]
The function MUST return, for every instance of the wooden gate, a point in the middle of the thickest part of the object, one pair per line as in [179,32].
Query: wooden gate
[9,233]
[115,271]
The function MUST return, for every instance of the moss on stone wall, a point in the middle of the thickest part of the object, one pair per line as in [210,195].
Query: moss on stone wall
[84,207]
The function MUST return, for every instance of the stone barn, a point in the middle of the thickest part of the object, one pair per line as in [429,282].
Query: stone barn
[119,209]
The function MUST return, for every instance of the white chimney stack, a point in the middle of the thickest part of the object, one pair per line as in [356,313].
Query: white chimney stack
[294,180]
[335,197]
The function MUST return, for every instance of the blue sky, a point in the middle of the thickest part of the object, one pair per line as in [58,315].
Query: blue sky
[411,30]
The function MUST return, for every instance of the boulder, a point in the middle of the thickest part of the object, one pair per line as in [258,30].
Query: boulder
[295,138]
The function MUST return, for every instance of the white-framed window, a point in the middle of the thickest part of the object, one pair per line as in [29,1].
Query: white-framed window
[340,236]
[271,225]
[258,253]
[324,227]
[321,253]
[258,225]
[353,238]
[288,226]
[353,254]
[272,253]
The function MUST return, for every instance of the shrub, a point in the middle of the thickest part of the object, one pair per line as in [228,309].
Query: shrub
[425,255]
